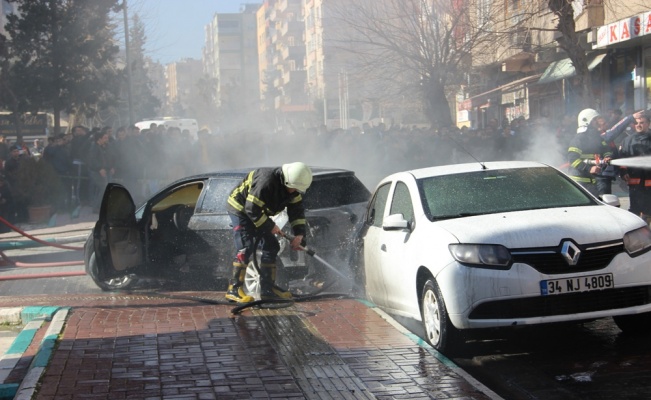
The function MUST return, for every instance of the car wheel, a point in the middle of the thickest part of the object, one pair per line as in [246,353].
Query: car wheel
[636,324]
[439,331]
[119,283]
[252,281]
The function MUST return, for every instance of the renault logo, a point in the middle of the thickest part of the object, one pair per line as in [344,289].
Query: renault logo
[570,252]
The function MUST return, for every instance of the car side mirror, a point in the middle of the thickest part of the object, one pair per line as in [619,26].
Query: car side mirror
[610,199]
[395,222]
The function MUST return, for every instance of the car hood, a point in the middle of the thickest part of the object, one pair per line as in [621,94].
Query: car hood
[542,228]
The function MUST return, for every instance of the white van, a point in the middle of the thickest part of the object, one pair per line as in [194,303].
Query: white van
[181,123]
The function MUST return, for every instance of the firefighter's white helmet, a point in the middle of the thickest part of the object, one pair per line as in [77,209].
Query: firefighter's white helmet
[585,118]
[297,176]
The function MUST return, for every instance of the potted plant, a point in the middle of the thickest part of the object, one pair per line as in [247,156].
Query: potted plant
[39,187]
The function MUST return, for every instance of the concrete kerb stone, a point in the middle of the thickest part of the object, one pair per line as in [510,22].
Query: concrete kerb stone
[39,363]
[32,318]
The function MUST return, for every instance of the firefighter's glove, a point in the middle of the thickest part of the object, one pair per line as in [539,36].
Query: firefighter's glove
[298,242]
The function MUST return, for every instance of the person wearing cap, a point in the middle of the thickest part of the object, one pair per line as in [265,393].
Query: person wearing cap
[264,193]
[588,153]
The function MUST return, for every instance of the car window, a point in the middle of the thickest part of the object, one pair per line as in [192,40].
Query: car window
[187,194]
[217,194]
[335,191]
[492,191]
[401,202]
[376,208]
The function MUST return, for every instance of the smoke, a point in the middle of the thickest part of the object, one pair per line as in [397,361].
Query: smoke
[371,152]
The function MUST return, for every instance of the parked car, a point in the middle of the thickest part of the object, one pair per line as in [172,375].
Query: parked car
[501,244]
[182,234]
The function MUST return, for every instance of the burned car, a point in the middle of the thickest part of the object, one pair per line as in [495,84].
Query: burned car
[183,234]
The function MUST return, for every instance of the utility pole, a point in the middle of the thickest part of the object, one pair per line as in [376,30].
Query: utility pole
[128,60]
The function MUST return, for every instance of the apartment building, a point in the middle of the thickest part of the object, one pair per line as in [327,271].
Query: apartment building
[531,77]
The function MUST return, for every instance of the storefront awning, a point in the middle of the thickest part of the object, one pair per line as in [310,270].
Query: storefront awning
[564,68]
[481,98]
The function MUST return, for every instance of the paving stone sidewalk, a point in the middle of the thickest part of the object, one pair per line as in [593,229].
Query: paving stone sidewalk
[148,346]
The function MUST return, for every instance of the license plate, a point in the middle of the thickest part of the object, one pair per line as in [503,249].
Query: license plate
[577,285]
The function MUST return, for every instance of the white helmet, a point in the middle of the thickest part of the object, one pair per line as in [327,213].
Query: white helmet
[585,118]
[297,176]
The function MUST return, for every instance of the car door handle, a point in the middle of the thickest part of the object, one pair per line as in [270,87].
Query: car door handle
[383,247]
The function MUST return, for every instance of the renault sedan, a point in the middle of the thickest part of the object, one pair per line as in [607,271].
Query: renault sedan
[502,244]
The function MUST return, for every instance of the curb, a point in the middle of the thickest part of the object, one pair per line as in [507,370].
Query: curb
[33,318]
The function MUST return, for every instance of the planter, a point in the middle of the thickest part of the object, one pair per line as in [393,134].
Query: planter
[39,215]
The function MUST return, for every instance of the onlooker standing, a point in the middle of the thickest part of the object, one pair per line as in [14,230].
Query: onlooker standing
[4,151]
[638,180]
[100,167]
[79,147]
[57,155]
[12,165]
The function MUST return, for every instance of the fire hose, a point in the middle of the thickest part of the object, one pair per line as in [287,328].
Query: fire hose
[52,243]
[288,302]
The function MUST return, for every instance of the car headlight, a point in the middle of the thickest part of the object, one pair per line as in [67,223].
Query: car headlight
[638,241]
[482,255]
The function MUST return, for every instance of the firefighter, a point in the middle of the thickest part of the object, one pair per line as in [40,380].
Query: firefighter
[262,194]
[638,180]
[588,153]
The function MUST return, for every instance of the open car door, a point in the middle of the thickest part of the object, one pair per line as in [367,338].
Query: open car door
[118,242]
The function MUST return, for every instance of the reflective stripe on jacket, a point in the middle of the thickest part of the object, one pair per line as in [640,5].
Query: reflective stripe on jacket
[261,195]
[584,149]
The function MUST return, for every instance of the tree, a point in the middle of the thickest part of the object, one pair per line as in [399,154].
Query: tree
[570,41]
[406,49]
[145,104]
[62,50]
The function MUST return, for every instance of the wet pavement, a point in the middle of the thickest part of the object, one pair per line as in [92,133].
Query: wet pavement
[181,345]
[190,345]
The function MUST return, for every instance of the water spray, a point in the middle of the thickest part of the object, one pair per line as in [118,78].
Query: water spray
[312,253]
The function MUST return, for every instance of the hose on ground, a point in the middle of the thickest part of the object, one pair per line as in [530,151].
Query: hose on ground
[34,238]
[18,264]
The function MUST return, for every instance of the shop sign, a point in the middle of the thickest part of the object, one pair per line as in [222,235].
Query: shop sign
[623,30]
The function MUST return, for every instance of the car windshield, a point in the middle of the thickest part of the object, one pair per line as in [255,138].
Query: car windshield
[494,191]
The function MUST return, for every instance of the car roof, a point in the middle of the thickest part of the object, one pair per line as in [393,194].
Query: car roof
[317,172]
[472,167]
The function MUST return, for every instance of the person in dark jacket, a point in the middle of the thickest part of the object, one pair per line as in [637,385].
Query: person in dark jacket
[588,153]
[264,193]
[100,166]
[638,180]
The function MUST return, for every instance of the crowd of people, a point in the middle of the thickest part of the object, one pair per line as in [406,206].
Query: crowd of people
[85,160]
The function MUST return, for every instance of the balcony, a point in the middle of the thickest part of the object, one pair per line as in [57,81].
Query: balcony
[592,16]
[281,6]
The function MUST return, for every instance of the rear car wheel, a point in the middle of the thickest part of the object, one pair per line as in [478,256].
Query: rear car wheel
[439,331]
[252,281]
[119,283]
[636,324]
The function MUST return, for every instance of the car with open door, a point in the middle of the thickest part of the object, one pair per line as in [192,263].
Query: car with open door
[464,247]
[182,234]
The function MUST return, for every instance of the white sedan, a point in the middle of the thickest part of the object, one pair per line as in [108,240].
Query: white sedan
[502,244]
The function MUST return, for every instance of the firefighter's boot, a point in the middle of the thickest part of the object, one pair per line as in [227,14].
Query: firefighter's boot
[268,288]
[235,290]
